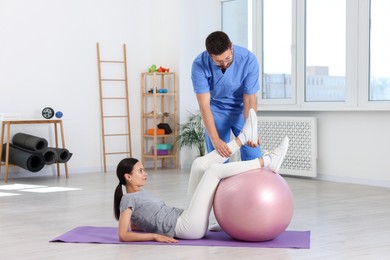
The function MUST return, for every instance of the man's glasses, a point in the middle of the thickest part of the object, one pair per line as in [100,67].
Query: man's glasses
[225,61]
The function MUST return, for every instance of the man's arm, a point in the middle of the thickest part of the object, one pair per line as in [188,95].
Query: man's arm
[204,105]
[250,101]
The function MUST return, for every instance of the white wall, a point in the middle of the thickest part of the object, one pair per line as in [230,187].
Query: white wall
[48,58]
[197,20]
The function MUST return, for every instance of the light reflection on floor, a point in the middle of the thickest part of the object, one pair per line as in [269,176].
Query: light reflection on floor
[30,188]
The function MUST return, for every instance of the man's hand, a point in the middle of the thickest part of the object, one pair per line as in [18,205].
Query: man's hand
[250,144]
[221,147]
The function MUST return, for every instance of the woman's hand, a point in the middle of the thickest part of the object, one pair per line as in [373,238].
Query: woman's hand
[164,239]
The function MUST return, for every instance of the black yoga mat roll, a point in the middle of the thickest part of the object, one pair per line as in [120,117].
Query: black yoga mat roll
[29,160]
[30,142]
[50,155]
[63,155]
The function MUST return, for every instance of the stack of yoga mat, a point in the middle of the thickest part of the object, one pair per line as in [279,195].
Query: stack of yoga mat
[32,153]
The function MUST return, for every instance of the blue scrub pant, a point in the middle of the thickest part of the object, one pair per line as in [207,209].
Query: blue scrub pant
[224,129]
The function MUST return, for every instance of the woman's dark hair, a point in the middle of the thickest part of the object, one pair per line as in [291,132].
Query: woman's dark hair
[217,43]
[124,166]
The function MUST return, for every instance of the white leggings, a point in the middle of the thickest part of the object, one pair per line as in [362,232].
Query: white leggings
[206,173]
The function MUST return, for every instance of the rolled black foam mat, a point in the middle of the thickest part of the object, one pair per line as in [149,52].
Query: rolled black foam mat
[30,142]
[62,154]
[50,155]
[29,160]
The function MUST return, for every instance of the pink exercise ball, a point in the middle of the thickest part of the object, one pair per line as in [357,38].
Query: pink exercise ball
[256,205]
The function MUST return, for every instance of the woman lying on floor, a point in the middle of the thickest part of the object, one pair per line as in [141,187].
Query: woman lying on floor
[138,210]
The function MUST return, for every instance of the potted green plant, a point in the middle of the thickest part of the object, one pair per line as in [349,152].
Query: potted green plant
[192,133]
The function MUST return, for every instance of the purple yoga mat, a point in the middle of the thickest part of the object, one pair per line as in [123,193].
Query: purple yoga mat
[109,235]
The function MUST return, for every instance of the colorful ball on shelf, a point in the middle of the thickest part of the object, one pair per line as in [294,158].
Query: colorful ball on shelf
[59,114]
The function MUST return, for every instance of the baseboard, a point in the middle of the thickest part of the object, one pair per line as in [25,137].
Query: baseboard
[16,172]
[360,181]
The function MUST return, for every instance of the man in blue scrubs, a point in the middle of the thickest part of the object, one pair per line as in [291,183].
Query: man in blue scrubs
[225,78]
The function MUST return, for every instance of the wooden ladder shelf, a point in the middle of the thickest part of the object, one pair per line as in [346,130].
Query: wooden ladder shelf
[106,99]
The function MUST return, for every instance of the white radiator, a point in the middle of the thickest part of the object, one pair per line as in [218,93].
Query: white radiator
[301,157]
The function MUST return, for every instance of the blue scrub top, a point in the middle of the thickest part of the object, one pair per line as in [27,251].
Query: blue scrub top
[226,89]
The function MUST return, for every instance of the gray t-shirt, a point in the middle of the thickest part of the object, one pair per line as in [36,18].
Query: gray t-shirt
[150,214]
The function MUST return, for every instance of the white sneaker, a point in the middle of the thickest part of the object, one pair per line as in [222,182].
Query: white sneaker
[250,127]
[278,155]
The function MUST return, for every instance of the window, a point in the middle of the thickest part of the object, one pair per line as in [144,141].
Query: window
[379,51]
[276,57]
[325,50]
[234,19]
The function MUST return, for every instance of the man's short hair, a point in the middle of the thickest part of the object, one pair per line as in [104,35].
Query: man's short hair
[217,43]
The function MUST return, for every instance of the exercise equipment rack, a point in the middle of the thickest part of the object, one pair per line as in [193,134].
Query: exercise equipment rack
[6,127]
